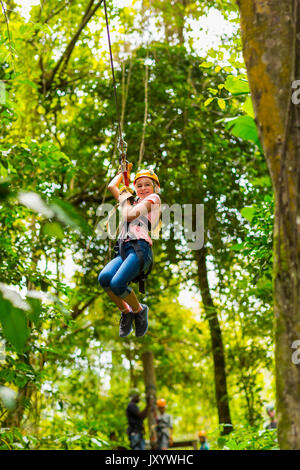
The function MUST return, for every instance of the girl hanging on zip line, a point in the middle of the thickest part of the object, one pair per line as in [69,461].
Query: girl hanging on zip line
[134,258]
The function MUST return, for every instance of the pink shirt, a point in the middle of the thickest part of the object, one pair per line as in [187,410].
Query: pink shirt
[137,230]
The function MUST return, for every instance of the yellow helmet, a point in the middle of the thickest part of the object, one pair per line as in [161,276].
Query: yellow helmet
[146,174]
[161,403]
[201,434]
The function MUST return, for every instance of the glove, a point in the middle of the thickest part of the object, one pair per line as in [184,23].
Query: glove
[125,193]
[126,189]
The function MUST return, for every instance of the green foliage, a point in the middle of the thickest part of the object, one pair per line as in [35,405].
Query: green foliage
[245,128]
[64,360]
[13,439]
[249,438]
[258,243]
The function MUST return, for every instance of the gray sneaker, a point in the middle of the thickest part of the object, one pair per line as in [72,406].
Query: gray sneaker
[141,321]
[126,321]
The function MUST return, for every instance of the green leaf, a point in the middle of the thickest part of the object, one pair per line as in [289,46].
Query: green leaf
[14,324]
[232,445]
[206,65]
[248,107]
[243,445]
[237,247]
[221,441]
[208,101]
[54,230]
[236,86]
[213,91]
[245,128]
[268,198]
[221,104]
[228,68]
[4,189]
[263,181]
[40,109]
[248,213]
[55,351]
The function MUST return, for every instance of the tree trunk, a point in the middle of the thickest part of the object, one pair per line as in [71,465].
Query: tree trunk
[15,417]
[270,35]
[217,343]
[150,386]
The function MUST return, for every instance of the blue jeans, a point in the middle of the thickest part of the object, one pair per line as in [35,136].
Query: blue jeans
[116,275]
[137,441]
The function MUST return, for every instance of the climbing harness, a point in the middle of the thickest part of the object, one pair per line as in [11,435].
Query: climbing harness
[120,250]
[142,276]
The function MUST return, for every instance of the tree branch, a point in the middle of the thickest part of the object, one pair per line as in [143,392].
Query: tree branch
[77,311]
[8,33]
[63,61]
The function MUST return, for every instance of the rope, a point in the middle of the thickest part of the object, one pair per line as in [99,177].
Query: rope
[142,145]
[114,83]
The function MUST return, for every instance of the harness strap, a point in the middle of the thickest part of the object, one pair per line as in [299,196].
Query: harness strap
[120,248]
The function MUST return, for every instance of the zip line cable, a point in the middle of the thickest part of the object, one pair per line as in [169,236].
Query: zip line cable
[122,143]
[112,71]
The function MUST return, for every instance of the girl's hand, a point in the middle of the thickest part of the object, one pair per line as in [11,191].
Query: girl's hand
[125,193]
[116,181]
